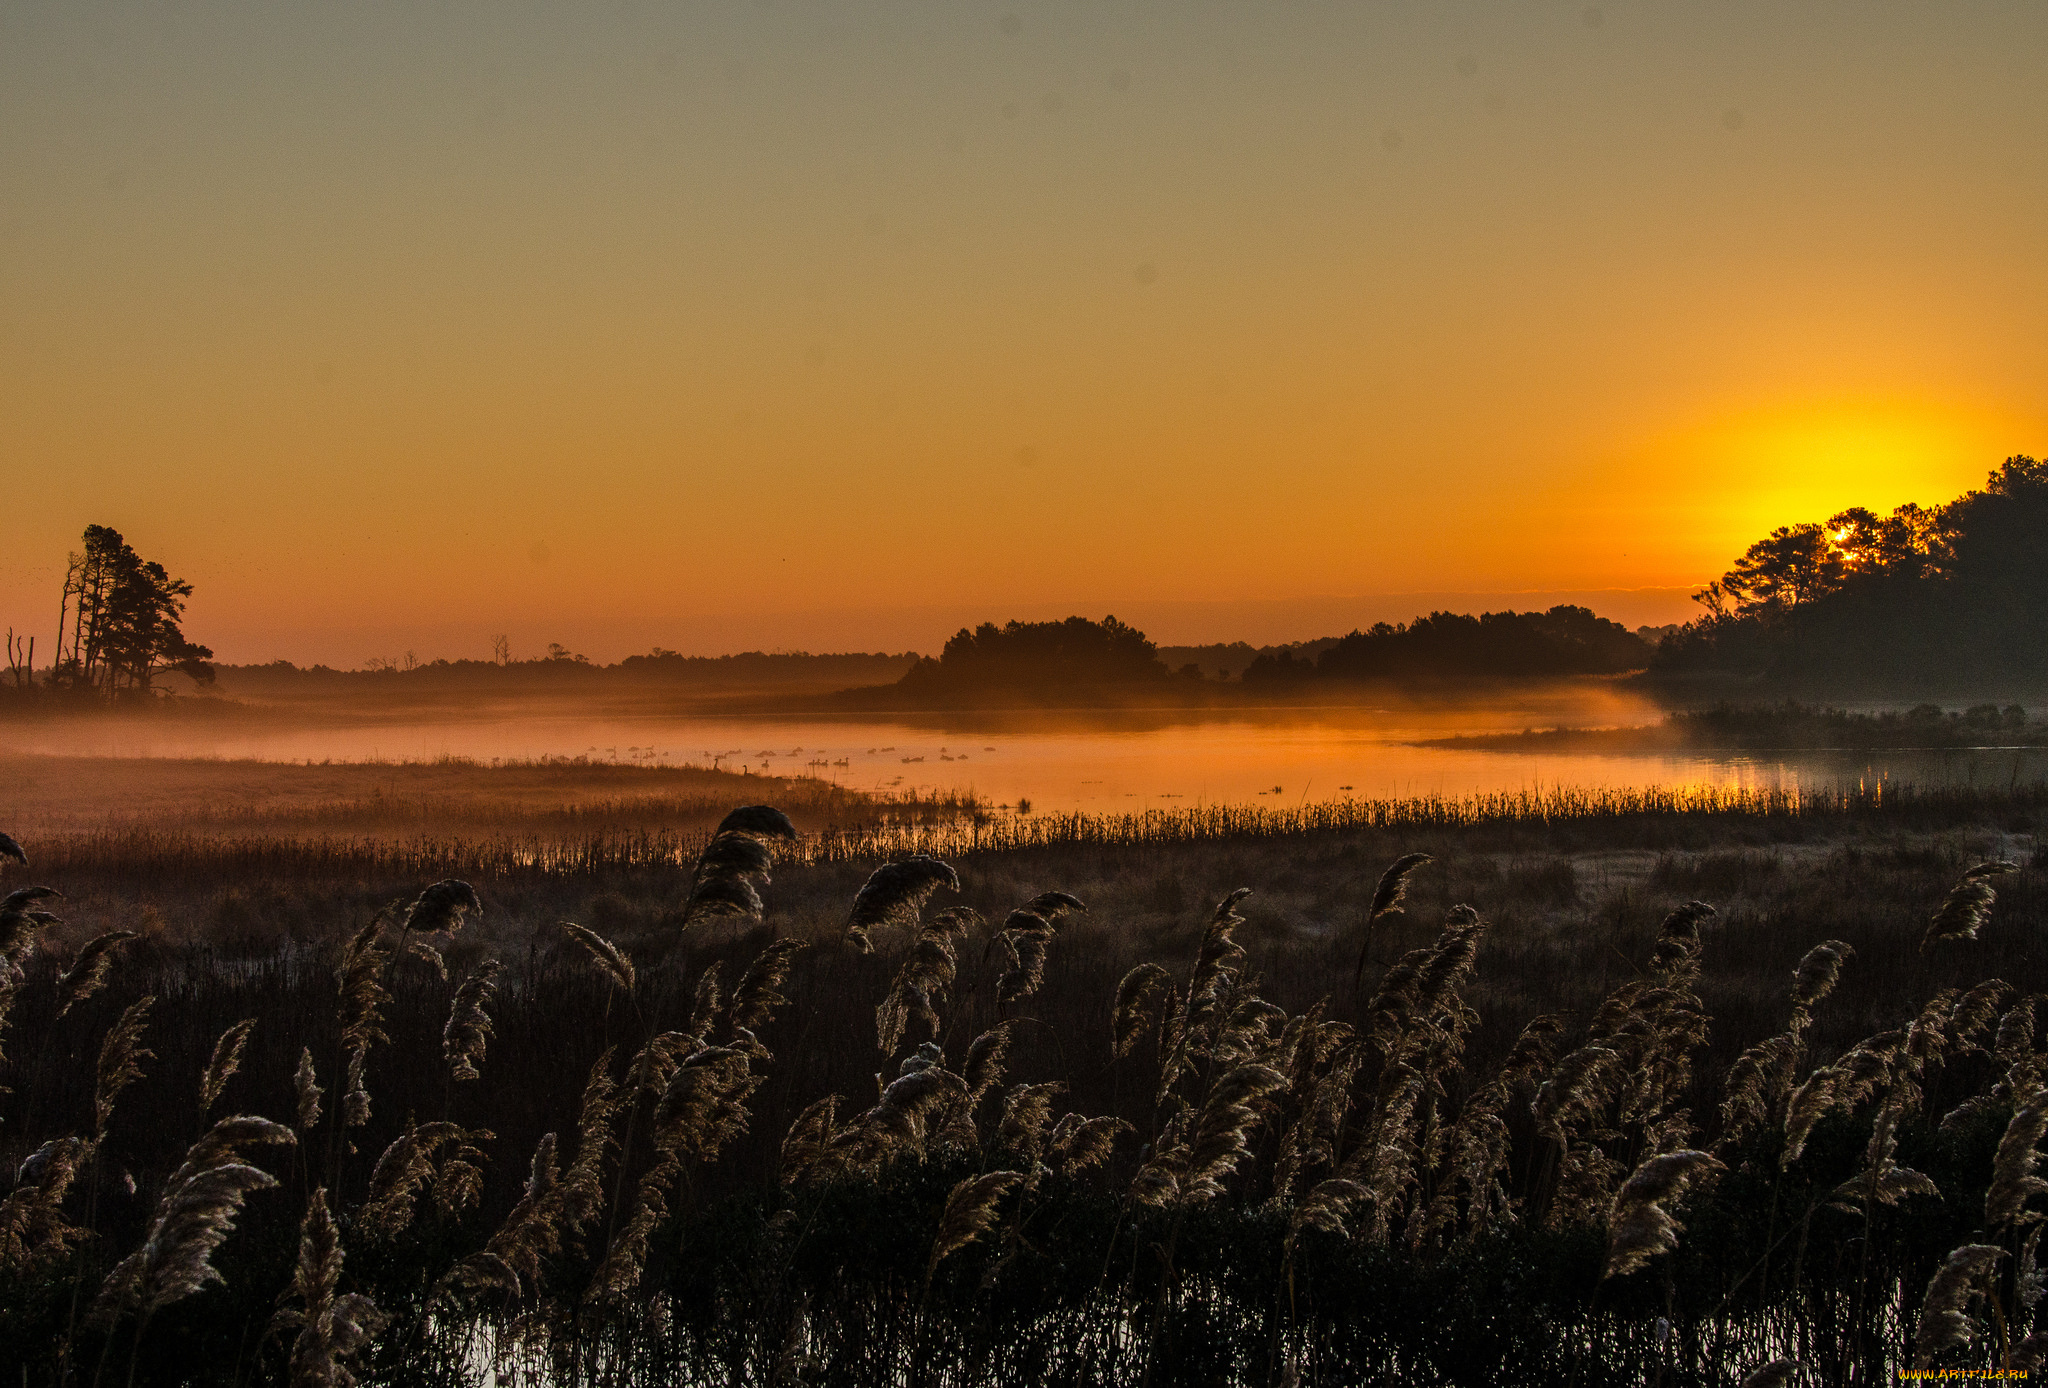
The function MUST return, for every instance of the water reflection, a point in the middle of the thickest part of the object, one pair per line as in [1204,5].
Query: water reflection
[1099,760]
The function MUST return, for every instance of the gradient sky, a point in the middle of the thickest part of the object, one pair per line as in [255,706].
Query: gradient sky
[836,324]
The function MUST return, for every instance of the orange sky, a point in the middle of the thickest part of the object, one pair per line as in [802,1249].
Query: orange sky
[838,324]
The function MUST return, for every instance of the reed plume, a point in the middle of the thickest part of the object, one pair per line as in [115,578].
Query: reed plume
[88,972]
[1192,1028]
[1321,1081]
[2031,1353]
[898,1125]
[2013,1181]
[194,1216]
[1477,1148]
[1192,1169]
[1776,1374]
[1639,1227]
[225,1060]
[1820,968]
[582,1198]
[511,1260]
[1023,940]
[1976,1011]
[1387,897]
[1078,1143]
[121,1057]
[1963,1277]
[2020,1067]
[1967,907]
[33,1230]
[438,1159]
[969,1213]
[983,1068]
[10,849]
[702,1107]
[1027,1113]
[469,1027]
[922,981]
[609,958]
[1838,1087]
[22,898]
[1675,957]
[360,982]
[809,1139]
[734,865]
[1882,1181]
[1577,1092]
[306,1091]
[1141,1003]
[1760,1081]
[894,894]
[441,907]
[20,922]
[1327,1206]
[334,1326]
[759,994]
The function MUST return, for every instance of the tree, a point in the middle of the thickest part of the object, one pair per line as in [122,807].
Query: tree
[119,623]
[1039,654]
[1793,564]
[1914,599]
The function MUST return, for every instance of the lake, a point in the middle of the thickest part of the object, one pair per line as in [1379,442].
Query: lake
[1089,760]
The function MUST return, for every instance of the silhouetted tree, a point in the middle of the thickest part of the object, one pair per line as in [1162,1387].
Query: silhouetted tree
[1919,597]
[119,624]
[1038,654]
[1566,640]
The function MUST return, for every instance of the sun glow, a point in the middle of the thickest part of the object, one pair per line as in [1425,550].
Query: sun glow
[1808,462]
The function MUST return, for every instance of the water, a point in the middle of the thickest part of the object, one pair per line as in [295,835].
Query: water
[1101,761]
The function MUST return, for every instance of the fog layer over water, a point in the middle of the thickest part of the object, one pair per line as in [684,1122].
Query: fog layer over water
[1100,761]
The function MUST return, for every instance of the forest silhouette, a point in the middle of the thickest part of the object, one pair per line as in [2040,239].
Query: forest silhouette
[1866,603]
[1951,597]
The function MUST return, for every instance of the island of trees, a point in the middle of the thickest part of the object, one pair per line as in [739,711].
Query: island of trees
[1450,645]
[1078,660]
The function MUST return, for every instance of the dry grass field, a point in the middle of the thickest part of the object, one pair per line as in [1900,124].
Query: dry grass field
[1519,1112]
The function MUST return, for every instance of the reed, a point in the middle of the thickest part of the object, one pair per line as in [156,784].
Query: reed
[1218,1161]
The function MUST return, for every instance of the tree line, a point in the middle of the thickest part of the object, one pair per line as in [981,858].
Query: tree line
[1079,654]
[1921,596]
[1566,640]
[119,627]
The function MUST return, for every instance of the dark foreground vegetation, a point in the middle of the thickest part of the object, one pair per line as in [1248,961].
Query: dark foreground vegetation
[1519,1111]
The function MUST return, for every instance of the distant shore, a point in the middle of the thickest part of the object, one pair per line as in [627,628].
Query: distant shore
[1779,729]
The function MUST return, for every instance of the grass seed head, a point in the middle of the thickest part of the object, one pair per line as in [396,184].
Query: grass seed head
[306,1090]
[1967,908]
[969,1213]
[1945,1321]
[759,994]
[442,907]
[611,961]
[469,1028]
[89,971]
[2013,1181]
[1639,1227]
[222,1064]
[894,894]
[121,1057]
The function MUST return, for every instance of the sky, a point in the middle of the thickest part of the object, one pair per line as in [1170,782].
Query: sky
[823,325]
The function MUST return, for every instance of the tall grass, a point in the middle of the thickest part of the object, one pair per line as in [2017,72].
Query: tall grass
[948,831]
[916,1141]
